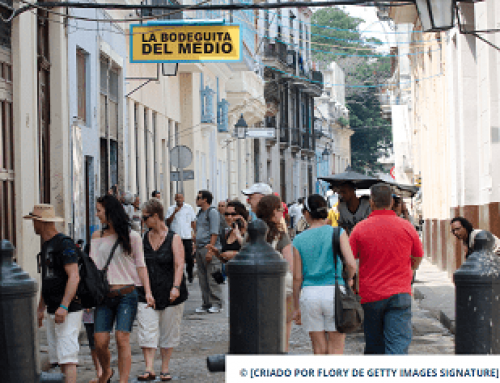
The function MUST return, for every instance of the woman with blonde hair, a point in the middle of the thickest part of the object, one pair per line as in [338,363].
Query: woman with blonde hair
[270,210]
[161,325]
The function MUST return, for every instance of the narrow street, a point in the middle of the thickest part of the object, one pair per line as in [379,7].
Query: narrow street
[207,334]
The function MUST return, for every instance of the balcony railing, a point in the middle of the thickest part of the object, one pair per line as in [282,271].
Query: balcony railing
[284,134]
[305,140]
[276,50]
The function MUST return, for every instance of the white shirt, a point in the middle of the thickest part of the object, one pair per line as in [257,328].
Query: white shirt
[181,223]
[296,212]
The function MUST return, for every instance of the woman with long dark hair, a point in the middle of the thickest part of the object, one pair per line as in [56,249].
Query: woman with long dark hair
[315,275]
[270,210]
[126,271]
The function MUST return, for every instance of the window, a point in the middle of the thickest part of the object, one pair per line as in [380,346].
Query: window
[7,203]
[109,120]
[136,140]
[146,151]
[155,160]
[81,69]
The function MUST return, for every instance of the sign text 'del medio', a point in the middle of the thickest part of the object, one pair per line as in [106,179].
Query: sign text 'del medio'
[167,43]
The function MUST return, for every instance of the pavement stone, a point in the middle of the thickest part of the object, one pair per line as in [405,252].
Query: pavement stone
[435,291]
[207,334]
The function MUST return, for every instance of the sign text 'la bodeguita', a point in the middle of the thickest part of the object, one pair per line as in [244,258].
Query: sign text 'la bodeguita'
[185,43]
[198,43]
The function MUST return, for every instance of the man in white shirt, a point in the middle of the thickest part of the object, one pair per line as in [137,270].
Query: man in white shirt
[181,220]
[296,212]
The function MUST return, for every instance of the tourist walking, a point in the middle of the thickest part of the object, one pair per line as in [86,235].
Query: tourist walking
[59,266]
[181,220]
[237,218]
[254,195]
[270,210]
[126,271]
[207,238]
[352,209]
[315,275]
[389,249]
[161,325]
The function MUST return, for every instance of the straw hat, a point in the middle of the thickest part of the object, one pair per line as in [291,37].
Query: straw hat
[44,213]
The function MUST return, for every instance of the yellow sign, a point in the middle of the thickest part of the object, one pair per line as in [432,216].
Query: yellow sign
[157,43]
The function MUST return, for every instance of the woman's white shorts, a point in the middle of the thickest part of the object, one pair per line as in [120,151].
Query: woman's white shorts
[159,327]
[317,305]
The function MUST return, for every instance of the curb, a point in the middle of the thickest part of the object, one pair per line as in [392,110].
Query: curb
[446,320]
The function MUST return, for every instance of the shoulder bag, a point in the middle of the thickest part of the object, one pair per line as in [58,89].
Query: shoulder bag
[348,311]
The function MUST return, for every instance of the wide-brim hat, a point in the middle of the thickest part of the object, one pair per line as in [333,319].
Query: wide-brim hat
[44,213]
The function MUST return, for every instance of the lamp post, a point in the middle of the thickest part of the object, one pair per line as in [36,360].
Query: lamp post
[436,15]
[240,128]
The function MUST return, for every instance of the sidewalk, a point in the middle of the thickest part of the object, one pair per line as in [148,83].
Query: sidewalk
[435,292]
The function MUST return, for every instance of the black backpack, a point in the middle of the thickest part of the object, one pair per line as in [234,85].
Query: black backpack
[93,286]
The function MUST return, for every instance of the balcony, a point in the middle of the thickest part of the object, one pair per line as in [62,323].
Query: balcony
[275,55]
[295,143]
[284,137]
[270,122]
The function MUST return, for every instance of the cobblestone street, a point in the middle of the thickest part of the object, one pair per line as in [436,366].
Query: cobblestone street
[207,334]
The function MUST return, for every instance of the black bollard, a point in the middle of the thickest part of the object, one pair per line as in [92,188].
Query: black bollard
[477,300]
[19,360]
[257,299]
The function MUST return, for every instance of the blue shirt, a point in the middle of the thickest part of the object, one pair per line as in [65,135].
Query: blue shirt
[315,248]
[252,216]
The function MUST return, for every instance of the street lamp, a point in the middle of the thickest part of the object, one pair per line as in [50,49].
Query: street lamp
[169,69]
[326,153]
[436,15]
[241,128]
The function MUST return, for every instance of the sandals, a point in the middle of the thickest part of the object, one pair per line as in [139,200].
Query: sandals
[146,376]
[165,376]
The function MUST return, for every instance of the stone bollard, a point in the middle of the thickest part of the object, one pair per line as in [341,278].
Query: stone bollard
[477,300]
[19,360]
[257,299]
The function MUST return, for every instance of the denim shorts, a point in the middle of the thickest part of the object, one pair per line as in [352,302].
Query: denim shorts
[122,310]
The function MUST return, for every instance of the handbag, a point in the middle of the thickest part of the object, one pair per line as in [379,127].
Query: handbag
[348,310]
[102,284]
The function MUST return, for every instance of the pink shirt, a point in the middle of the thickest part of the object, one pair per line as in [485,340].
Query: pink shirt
[123,267]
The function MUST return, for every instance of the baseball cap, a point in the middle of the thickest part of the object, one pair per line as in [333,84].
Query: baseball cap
[260,188]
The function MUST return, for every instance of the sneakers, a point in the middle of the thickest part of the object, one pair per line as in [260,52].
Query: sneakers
[212,310]
[215,309]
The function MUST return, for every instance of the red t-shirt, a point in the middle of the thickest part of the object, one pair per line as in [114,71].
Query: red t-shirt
[285,209]
[383,244]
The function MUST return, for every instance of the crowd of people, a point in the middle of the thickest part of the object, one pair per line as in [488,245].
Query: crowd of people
[148,250]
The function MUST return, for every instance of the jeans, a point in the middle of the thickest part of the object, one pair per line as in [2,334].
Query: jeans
[122,309]
[387,325]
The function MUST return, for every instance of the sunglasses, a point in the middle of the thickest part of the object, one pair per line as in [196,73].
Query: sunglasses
[230,214]
[146,217]
[198,197]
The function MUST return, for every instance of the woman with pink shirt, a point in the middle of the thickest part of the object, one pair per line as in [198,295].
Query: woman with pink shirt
[126,271]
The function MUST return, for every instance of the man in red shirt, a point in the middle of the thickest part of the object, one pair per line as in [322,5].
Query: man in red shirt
[388,249]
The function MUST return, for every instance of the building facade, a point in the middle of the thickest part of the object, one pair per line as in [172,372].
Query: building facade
[288,163]
[453,114]
[332,131]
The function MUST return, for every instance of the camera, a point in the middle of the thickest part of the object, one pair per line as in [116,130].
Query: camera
[219,278]
[238,223]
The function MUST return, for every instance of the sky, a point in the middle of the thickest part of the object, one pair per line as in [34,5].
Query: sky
[372,27]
